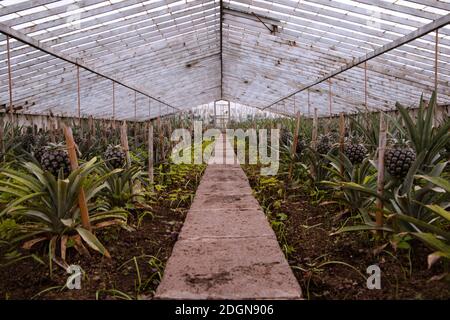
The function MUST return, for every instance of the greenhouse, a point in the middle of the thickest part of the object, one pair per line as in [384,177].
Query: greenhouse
[224,150]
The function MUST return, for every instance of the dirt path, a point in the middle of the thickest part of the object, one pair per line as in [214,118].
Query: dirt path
[226,248]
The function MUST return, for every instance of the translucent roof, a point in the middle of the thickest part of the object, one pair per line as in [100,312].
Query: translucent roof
[178,54]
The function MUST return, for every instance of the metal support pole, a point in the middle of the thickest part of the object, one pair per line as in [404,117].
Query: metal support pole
[314,140]
[78,96]
[8,49]
[114,105]
[330,105]
[365,86]
[215,115]
[135,107]
[436,56]
[309,105]
[421,31]
[295,109]
[341,142]
[229,112]
[149,107]
[150,155]
[329,98]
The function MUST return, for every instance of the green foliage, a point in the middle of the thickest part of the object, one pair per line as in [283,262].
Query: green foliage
[268,191]
[425,137]
[348,184]
[8,229]
[414,207]
[367,125]
[47,206]
[119,184]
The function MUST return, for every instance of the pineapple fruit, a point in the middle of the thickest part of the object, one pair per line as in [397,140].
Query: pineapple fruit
[115,156]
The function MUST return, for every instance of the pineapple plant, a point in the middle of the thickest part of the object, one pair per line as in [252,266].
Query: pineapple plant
[285,136]
[287,140]
[55,159]
[447,149]
[355,152]
[40,146]
[300,145]
[28,140]
[324,144]
[398,160]
[428,140]
[115,156]
[38,153]
[354,149]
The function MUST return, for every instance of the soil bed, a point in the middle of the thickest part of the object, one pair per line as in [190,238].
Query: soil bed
[134,272]
[317,257]
[155,237]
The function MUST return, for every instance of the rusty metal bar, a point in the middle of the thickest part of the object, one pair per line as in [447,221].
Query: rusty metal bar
[113,104]
[135,106]
[309,105]
[8,49]
[365,85]
[330,98]
[78,95]
[436,57]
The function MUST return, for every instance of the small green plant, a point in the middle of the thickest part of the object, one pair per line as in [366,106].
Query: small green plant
[119,184]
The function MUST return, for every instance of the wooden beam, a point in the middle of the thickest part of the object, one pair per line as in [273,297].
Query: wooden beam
[380,173]
[294,146]
[124,143]
[82,203]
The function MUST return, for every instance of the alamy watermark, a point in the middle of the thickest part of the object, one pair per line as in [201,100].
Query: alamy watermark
[191,151]
[374,279]
[73,20]
[74,280]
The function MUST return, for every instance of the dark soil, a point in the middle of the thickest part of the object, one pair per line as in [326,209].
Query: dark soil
[404,273]
[116,278]
[155,237]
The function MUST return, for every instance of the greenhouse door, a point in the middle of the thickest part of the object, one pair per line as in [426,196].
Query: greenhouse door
[221,114]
